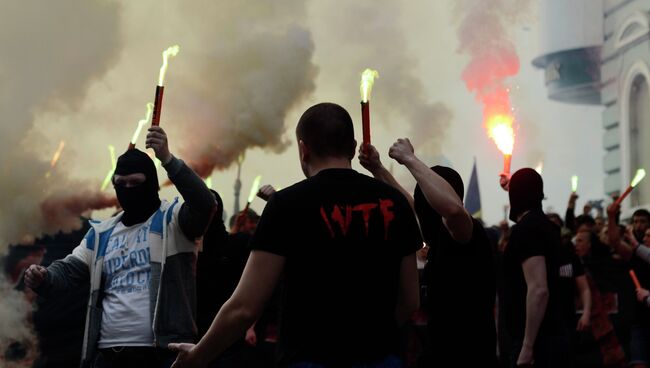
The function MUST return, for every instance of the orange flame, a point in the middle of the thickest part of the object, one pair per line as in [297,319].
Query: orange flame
[500,129]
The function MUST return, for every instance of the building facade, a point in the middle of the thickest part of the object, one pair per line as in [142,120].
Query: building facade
[598,52]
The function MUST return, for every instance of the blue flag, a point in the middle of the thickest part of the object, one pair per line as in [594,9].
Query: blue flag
[473,196]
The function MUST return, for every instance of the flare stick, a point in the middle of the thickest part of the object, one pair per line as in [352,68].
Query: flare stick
[637,284]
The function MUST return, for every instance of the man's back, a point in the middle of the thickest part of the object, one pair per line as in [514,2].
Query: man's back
[533,236]
[344,236]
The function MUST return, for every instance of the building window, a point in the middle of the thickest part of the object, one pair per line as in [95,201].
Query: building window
[639,136]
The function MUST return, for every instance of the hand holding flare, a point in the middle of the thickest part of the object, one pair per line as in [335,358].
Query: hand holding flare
[640,174]
[367,80]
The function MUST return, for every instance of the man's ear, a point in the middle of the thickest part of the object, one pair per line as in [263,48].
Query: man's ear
[354,149]
[303,151]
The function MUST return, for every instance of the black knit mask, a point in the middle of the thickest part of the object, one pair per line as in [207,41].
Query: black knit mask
[430,220]
[141,201]
[526,192]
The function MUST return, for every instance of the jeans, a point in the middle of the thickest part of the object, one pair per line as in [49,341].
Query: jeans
[640,345]
[134,357]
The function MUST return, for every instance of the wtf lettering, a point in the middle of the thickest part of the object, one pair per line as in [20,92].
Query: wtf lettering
[340,217]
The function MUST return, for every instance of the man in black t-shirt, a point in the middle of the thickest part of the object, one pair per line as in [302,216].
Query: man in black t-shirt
[531,298]
[459,274]
[346,244]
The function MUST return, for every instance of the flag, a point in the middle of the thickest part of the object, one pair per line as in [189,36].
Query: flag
[473,196]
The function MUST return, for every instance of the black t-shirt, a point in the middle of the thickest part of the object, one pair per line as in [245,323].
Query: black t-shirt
[533,236]
[570,267]
[343,235]
[460,277]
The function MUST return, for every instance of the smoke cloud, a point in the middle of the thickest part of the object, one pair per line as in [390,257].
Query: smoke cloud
[238,90]
[483,35]
[51,55]
[399,95]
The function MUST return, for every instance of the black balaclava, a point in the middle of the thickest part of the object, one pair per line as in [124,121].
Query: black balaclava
[430,220]
[526,192]
[141,201]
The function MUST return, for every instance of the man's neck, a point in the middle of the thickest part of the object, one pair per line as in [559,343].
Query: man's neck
[329,163]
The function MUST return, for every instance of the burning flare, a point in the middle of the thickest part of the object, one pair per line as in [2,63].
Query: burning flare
[57,154]
[171,51]
[254,188]
[640,174]
[367,80]
[574,183]
[110,172]
[55,158]
[500,130]
[539,168]
[141,124]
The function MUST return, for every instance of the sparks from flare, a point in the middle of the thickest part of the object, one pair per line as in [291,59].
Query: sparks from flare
[171,51]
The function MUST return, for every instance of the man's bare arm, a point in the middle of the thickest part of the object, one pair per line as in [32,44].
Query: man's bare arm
[408,300]
[536,298]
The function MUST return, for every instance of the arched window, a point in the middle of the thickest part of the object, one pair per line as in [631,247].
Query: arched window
[639,131]
[635,131]
[633,28]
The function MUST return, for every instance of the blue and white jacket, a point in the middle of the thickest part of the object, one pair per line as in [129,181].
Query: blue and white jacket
[173,263]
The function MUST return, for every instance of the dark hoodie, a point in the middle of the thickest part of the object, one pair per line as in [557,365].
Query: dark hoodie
[459,277]
[533,235]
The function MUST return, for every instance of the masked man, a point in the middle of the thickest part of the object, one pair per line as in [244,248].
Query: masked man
[140,264]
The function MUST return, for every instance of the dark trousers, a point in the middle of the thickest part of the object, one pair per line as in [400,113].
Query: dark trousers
[134,357]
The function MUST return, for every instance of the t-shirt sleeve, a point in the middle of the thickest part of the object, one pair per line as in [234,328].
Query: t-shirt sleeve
[578,268]
[268,234]
[529,244]
[410,239]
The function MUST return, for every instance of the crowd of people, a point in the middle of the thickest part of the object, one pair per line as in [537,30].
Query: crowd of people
[347,270]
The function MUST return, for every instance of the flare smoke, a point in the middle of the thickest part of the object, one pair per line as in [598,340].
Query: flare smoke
[483,36]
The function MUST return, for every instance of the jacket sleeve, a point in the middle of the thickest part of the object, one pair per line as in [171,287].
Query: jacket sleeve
[68,273]
[196,213]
